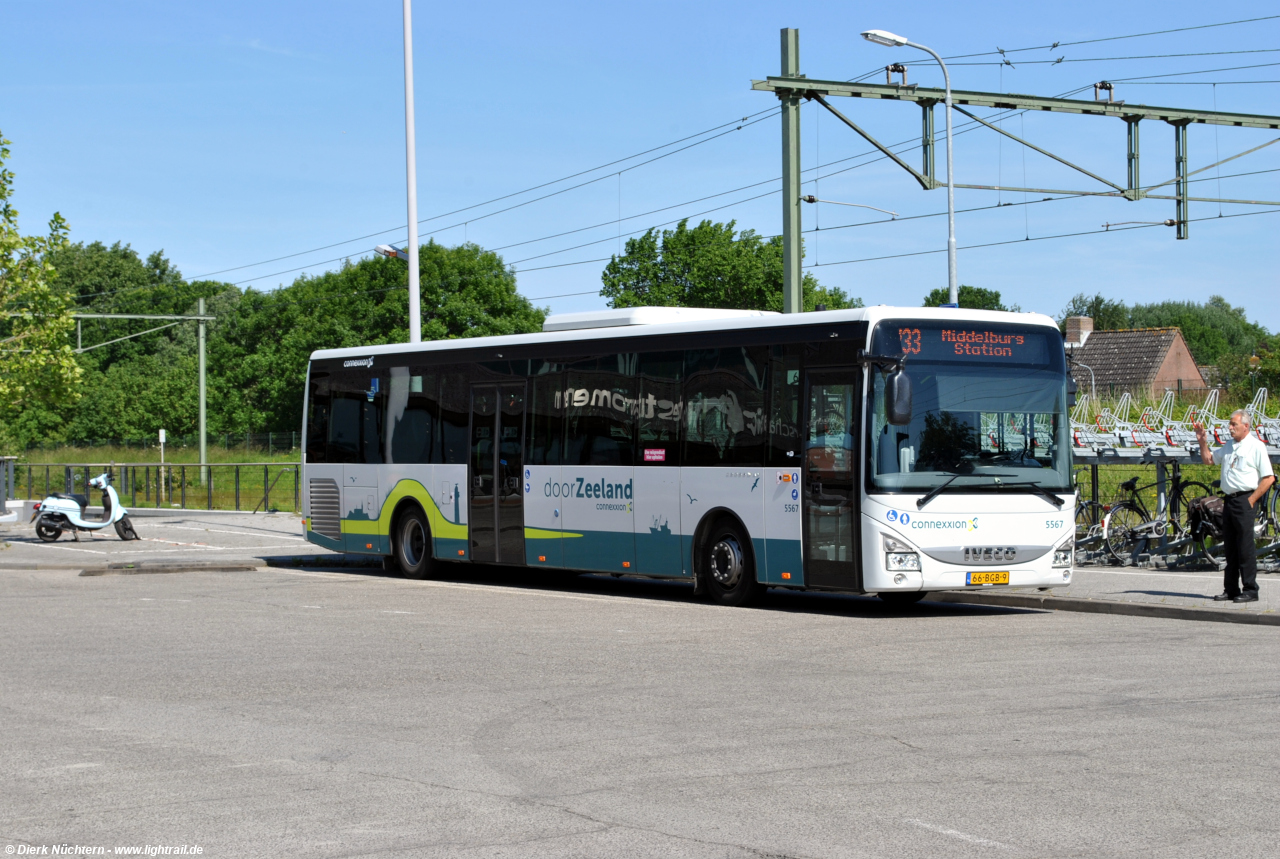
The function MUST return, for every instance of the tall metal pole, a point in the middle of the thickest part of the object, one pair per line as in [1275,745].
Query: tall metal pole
[204,439]
[415,299]
[953,287]
[792,295]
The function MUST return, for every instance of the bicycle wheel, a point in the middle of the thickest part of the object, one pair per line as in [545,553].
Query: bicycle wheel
[1089,516]
[1121,534]
[1187,493]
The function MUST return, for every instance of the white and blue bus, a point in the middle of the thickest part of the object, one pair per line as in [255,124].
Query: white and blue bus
[881,450]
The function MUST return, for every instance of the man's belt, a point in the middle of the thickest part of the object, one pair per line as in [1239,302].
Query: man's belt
[1238,494]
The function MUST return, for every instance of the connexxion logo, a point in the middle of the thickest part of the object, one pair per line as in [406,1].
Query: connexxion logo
[933,524]
[358,362]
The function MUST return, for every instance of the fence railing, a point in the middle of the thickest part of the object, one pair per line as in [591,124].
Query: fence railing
[270,442]
[253,486]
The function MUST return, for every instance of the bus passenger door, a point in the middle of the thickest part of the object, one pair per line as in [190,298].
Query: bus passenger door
[497,486]
[831,472]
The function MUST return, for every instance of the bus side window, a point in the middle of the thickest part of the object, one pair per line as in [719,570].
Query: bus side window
[601,398]
[546,415]
[724,406]
[660,408]
[455,410]
[355,419]
[318,418]
[784,405]
[411,415]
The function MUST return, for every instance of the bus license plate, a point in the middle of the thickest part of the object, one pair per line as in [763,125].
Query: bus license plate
[988,578]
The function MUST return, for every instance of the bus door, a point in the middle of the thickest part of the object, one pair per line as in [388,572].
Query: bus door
[497,487]
[831,470]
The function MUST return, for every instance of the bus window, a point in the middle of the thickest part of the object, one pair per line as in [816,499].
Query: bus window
[546,416]
[599,399]
[659,409]
[455,409]
[724,406]
[784,406]
[318,400]
[411,411]
[355,419]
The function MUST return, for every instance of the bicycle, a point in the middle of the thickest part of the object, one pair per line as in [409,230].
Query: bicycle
[1089,517]
[1266,530]
[1129,528]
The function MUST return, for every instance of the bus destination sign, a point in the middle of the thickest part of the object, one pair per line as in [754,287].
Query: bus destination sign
[995,343]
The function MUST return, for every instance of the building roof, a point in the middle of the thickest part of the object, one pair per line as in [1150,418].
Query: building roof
[1125,358]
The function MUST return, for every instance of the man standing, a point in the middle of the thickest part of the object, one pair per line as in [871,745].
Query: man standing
[1246,476]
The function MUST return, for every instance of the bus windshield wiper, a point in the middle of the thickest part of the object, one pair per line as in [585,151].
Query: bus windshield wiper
[1037,489]
[941,487]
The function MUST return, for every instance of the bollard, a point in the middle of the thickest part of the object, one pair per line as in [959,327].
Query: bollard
[237,489]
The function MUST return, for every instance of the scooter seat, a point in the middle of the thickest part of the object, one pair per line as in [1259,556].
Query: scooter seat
[82,500]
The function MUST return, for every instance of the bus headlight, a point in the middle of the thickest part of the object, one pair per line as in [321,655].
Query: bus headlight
[898,555]
[1064,555]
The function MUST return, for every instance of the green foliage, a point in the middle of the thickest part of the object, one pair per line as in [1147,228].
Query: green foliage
[970,297]
[37,365]
[1213,330]
[708,266]
[1107,314]
[259,345]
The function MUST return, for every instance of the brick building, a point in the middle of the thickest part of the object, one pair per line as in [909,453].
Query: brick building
[1146,362]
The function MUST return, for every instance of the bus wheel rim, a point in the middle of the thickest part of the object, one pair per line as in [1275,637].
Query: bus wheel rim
[414,542]
[726,562]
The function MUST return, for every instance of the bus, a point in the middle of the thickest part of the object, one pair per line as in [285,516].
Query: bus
[879,450]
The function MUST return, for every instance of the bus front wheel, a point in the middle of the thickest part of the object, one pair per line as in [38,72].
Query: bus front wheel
[413,545]
[728,567]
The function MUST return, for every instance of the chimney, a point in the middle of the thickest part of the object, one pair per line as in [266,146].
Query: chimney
[1078,330]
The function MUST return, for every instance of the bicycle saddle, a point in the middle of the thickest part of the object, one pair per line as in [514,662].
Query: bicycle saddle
[1130,484]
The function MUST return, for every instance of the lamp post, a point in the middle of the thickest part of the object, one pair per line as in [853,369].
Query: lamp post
[411,168]
[883,37]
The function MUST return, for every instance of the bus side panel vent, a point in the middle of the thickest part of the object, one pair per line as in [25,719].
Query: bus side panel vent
[326,514]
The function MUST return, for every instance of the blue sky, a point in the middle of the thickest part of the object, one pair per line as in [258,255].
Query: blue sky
[229,134]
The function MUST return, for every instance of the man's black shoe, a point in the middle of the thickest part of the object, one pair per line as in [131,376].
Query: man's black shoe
[1247,596]
[1225,597]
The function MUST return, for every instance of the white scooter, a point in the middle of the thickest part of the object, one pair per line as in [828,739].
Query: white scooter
[62,512]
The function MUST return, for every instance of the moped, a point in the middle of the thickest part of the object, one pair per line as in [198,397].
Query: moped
[63,511]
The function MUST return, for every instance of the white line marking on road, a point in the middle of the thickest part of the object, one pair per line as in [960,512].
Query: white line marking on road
[147,599]
[311,606]
[238,533]
[75,549]
[963,836]
[385,611]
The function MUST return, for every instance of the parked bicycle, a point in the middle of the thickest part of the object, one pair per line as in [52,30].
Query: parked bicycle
[1130,530]
[1266,531]
[1089,517]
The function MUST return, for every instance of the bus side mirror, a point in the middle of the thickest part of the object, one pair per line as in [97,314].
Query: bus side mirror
[1072,387]
[897,397]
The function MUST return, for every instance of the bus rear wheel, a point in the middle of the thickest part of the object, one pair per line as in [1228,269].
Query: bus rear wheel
[413,545]
[728,566]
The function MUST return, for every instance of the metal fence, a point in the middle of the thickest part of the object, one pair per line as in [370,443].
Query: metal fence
[270,442]
[250,486]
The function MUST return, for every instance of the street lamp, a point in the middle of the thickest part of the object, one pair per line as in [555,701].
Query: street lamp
[411,179]
[883,37]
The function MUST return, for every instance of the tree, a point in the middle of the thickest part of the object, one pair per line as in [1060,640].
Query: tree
[37,365]
[1107,314]
[1212,330]
[708,266]
[971,297]
[264,348]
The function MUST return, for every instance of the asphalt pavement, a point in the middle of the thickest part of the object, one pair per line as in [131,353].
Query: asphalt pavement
[285,712]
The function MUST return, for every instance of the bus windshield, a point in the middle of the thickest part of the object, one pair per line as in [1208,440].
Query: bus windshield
[989,410]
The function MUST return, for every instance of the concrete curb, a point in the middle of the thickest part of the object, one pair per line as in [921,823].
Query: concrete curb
[1134,609]
[148,569]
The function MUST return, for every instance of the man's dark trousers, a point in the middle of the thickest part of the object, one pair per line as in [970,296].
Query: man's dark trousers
[1242,555]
